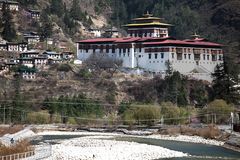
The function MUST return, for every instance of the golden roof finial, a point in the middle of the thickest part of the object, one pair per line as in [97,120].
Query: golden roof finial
[147,14]
[195,35]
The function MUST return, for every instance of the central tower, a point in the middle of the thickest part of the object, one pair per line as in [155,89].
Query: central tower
[147,26]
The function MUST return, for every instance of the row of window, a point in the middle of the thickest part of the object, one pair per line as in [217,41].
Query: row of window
[121,50]
[196,51]
[155,56]
[197,57]
[123,55]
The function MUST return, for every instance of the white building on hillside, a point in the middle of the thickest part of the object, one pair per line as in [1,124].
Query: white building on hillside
[13,5]
[149,47]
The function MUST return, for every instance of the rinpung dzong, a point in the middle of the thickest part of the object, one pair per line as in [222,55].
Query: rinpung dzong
[148,46]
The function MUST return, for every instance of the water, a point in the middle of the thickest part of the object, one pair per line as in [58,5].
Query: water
[53,139]
[200,151]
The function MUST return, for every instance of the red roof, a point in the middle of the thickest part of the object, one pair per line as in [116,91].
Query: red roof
[180,42]
[122,40]
[153,41]
[97,40]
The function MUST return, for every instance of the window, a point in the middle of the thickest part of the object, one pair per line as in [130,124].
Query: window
[128,50]
[196,56]
[124,50]
[185,56]
[113,48]
[220,58]
[156,55]
[120,50]
[208,57]
[172,55]
[214,57]
[179,56]
[204,57]
[149,56]
[189,56]
[162,55]
[107,49]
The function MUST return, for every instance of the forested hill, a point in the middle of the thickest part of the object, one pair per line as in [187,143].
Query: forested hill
[216,20]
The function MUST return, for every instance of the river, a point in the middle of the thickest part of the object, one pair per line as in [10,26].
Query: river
[198,151]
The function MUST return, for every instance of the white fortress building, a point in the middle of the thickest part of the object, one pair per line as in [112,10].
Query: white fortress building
[149,47]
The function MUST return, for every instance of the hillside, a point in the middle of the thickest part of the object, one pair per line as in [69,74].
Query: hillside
[68,21]
[216,20]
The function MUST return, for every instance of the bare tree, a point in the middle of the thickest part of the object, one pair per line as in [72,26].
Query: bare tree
[99,62]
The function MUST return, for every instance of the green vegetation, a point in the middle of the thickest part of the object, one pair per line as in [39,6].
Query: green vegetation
[37,118]
[151,114]
[46,27]
[217,111]
[76,106]
[225,84]
[7,25]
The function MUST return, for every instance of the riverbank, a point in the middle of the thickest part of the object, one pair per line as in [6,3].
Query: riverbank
[94,147]
[99,145]
[182,138]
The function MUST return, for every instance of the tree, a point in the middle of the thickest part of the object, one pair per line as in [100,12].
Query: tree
[46,27]
[69,22]
[75,11]
[100,62]
[9,32]
[225,84]
[57,7]
[27,2]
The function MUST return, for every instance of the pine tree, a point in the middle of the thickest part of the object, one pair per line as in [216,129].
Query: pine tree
[225,84]
[9,32]
[57,7]
[46,28]
[75,11]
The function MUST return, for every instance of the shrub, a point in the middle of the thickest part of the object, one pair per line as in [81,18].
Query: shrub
[146,114]
[64,68]
[20,147]
[38,118]
[123,107]
[219,108]
[128,118]
[110,97]
[84,73]
[72,121]
[170,113]
[10,130]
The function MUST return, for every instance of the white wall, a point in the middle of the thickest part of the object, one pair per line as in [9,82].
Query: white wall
[136,58]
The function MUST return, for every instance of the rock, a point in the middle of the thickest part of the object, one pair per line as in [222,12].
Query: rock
[234,141]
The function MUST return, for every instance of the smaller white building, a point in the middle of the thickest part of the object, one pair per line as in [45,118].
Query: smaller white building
[13,5]
[28,75]
[95,32]
[31,38]
[35,14]
[17,47]
[53,55]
